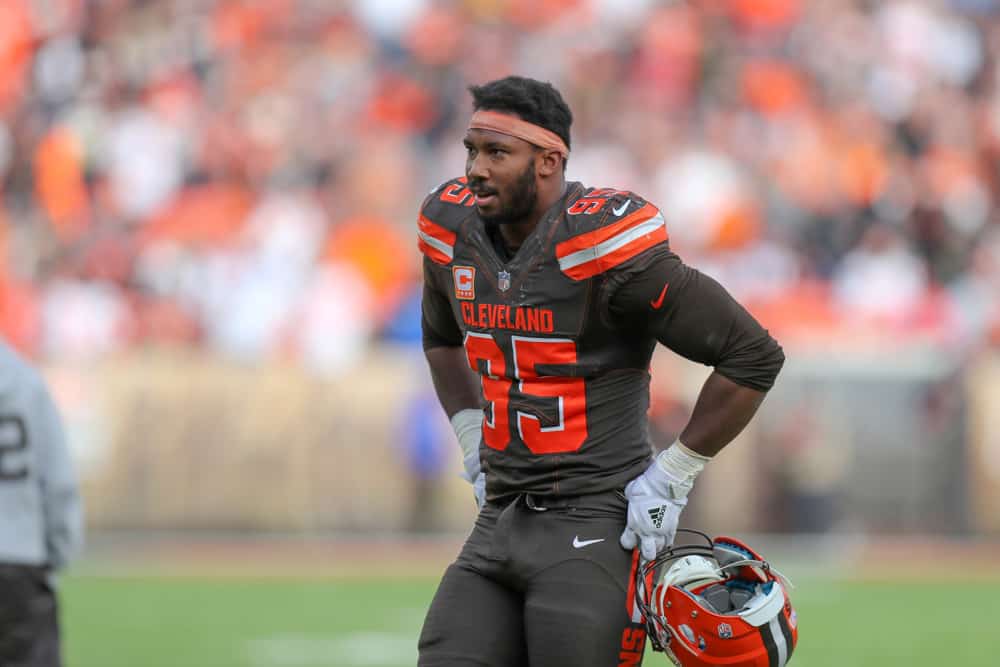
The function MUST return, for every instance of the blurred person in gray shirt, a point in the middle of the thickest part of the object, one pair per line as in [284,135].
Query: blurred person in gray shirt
[41,525]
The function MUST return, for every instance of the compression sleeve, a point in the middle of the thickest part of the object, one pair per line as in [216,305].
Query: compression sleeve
[694,316]
[437,320]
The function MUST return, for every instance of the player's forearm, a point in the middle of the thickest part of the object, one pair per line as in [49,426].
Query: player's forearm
[722,410]
[456,385]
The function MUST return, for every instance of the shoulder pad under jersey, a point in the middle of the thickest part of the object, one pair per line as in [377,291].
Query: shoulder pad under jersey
[440,216]
[605,228]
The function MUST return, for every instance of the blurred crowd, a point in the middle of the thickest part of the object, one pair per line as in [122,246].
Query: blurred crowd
[243,175]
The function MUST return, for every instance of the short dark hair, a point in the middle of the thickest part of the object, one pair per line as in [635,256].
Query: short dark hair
[537,102]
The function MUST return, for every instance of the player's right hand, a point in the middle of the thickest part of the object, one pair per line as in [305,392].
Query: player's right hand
[475,476]
[479,489]
[468,426]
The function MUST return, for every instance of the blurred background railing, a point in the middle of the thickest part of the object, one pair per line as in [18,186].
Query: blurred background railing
[206,209]
[846,444]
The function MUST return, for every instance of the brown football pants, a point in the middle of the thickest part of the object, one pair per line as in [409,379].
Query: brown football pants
[541,582]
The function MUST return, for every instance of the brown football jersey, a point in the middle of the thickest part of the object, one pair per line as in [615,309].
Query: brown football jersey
[566,391]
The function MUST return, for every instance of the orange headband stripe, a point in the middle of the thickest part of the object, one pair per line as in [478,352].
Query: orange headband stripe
[522,129]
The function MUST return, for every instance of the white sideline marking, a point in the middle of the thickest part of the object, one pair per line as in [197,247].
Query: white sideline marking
[358,649]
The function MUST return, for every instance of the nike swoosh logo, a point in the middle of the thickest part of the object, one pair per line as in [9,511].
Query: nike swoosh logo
[659,302]
[579,544]
[621,209]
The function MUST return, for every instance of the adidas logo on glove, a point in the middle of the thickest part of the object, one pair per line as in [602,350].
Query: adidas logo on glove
[656,514]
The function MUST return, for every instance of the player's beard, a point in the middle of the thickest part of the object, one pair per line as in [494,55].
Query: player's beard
[519,203]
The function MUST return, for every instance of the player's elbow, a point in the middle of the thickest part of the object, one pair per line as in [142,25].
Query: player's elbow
[431,338]
[773,361]
[431,342]
[756,365]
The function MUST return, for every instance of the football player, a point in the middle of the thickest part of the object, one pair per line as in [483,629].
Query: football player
[543,301]
[41,518]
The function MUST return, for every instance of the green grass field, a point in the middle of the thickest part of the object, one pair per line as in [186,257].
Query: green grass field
[182,621]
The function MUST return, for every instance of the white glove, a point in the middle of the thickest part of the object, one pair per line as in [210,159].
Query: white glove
[468,426]
[479,489]
[656,498]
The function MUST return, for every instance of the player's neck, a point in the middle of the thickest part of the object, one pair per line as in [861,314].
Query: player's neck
[514,233]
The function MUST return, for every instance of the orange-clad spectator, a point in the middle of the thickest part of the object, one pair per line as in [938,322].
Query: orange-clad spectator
[861,161]
[19,312]
[436,37]
[59,183]
[531,14]
[176,98]
[864,172]
[381,252]
[805,311]
[765,14]
[16,44]
[736,226]
[708,201]
[20,318]
[204,216]
[401,103]
[946,167]
[667,63]
[236,24]
[807,166]
[773,87]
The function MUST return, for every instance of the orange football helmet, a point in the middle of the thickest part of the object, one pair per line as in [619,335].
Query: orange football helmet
[718,603]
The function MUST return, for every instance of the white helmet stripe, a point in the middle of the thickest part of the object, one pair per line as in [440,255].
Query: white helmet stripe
[779,641]
[787,632]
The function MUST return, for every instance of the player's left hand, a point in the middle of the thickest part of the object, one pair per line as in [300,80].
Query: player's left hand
[476,477]
[655,500]
[657,497]
[652,516]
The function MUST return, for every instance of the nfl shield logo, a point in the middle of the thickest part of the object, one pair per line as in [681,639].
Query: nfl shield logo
[725,631]
[503,281]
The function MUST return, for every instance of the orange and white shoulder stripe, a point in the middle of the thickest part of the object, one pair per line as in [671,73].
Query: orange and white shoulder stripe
[435,241]
[595,252]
